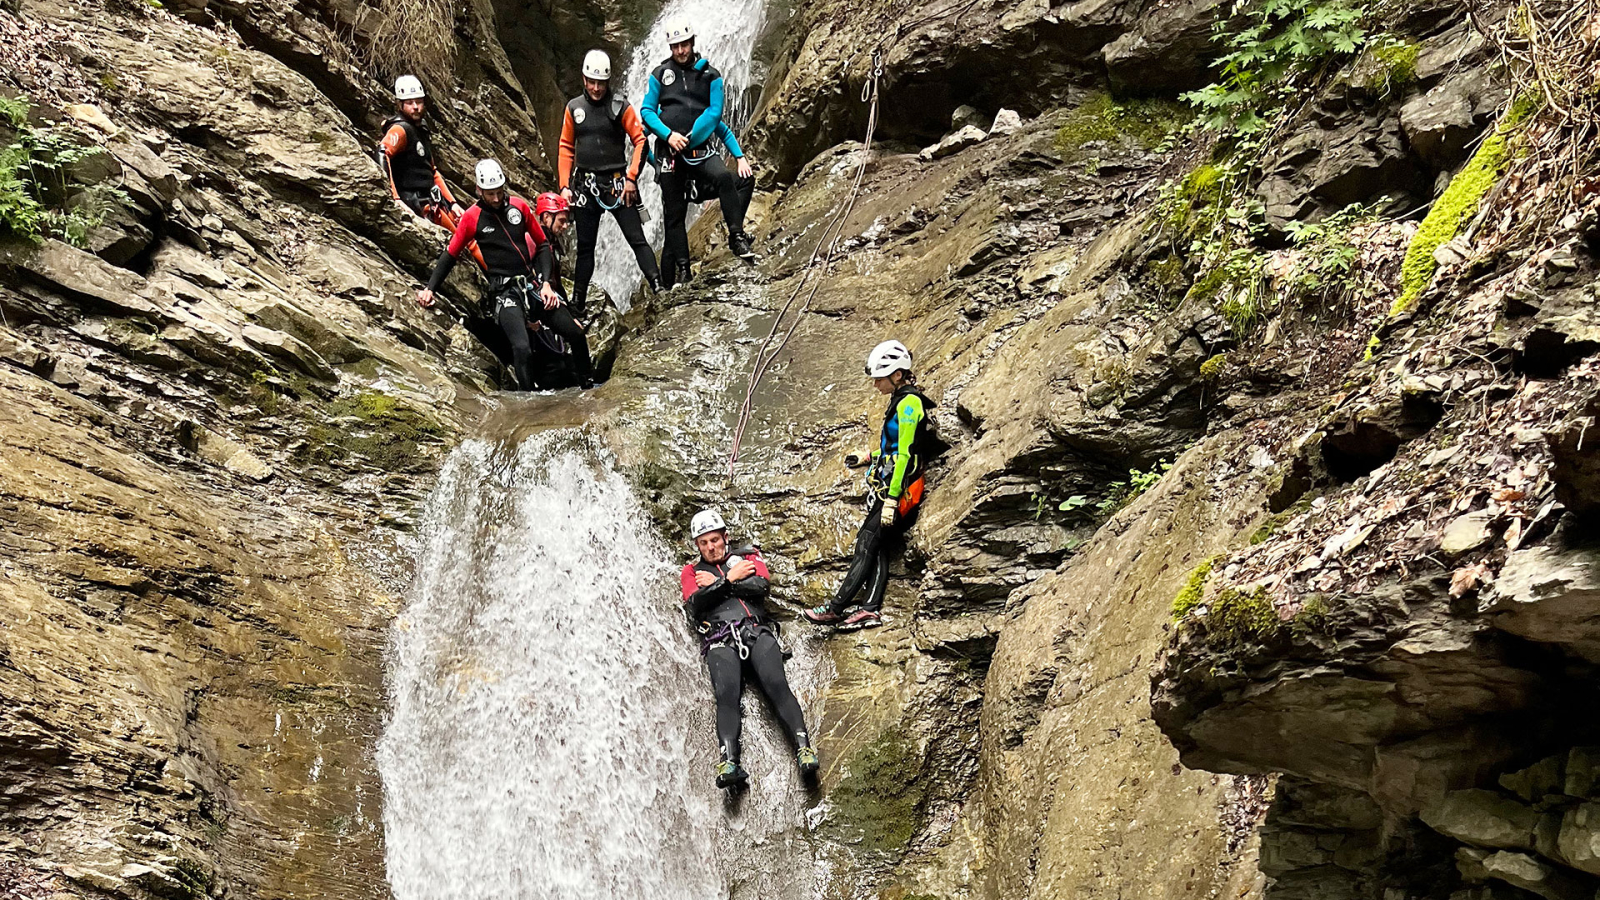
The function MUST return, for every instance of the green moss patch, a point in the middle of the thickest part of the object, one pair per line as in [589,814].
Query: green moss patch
[1458,204]
[1241,617]
[374,427]
[879,804]
[1100,118]
[1193,590]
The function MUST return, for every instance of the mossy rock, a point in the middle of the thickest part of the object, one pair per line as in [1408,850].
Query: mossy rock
[1142,123]
[878,805]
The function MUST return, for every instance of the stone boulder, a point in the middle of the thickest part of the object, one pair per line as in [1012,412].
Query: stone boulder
[1168,50]
[954,143]
[1484,819]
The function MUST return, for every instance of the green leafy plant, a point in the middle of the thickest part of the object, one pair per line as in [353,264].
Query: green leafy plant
[1280,40]
[1076,501]
[39,194]
[1121,493]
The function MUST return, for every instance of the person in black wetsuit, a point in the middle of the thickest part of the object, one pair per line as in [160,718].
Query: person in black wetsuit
[601,154]
[407,158]
[518,260]
[553,366]
[724,596]
[682,107]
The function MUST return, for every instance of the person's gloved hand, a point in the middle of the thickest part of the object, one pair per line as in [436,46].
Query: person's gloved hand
[886,516]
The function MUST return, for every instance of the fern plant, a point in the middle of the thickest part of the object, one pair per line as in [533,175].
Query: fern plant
[1281,39]
[39,196]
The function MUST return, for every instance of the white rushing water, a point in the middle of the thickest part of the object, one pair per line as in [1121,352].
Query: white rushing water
[551,724]
[726,35]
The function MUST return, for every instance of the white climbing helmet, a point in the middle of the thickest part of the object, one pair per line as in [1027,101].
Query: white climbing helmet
[888,358]
[408,87]
[679,31]
[704,522]
[597,65]
[489,175]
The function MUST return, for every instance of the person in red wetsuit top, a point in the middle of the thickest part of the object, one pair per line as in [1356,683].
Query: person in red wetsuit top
[724,596]
[517,259]
[407,158]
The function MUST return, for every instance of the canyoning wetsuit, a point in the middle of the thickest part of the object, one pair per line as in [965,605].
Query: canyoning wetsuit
[602,149]
[516,258]
[895,476]
[555,355]
[688,99]
[414,179]
[737,635]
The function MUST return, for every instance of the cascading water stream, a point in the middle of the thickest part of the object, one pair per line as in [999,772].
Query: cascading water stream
[551,727]
[727,31]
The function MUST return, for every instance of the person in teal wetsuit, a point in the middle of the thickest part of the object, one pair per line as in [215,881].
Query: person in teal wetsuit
[896,485]
[682,108]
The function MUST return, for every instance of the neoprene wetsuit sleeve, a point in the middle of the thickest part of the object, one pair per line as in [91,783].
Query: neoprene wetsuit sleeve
[907,415]
[544,263]
[568,151]
[394,140]
[725,134]
[757,585]
[635,131]
[650,110]
[703,599]
[465,229]
[706,124]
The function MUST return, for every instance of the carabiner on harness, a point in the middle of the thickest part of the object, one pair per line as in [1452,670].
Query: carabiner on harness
[591,185]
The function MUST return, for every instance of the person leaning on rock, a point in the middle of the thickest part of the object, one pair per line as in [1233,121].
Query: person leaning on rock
[561,343]
[602,152]
[895,487]
[510,241]
[683,108]
[724,596]
[407,158]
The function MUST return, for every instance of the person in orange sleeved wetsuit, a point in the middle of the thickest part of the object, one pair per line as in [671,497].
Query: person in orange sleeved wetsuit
[602,151]
[408,163]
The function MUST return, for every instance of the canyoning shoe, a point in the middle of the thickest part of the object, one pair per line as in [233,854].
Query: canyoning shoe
[807,759]
[681,275]
[822,615]
[739,243]
[730,776]
[655,284]
[857,619]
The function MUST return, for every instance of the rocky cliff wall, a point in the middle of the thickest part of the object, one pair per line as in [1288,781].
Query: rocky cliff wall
[219,415]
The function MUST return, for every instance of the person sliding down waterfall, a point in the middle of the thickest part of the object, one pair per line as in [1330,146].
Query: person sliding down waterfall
[682,107]
[599,176]
[407,158]
[510,242]
[895,484]
[724,596]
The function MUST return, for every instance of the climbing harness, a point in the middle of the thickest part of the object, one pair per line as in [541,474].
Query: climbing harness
[826,249]
[590,187]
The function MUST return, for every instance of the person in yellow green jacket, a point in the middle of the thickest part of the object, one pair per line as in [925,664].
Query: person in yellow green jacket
[895,484]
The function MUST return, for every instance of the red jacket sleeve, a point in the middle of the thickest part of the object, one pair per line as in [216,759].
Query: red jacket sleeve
[686,581]
[465,229]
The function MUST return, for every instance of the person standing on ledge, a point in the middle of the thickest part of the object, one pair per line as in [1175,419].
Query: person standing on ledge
[682,107]
[895,485]
[724,596]
[599,174]
[407,157]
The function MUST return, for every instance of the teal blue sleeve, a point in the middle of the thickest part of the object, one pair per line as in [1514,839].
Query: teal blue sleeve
[650,110]
[725,134]
[707,123]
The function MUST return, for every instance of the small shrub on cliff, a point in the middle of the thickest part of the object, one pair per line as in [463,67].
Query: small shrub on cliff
[39,194]
[1121,493]
[1280,40]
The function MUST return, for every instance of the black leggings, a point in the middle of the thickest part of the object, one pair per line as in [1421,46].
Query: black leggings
[870,567]
[734,193]
[510,341]
[561,321]
[727,684]
[587,217]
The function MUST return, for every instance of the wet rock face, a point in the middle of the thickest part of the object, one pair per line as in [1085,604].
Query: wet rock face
[219,414]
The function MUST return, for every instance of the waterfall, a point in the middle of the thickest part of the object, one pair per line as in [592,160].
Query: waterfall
[551,723]
[726,35]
